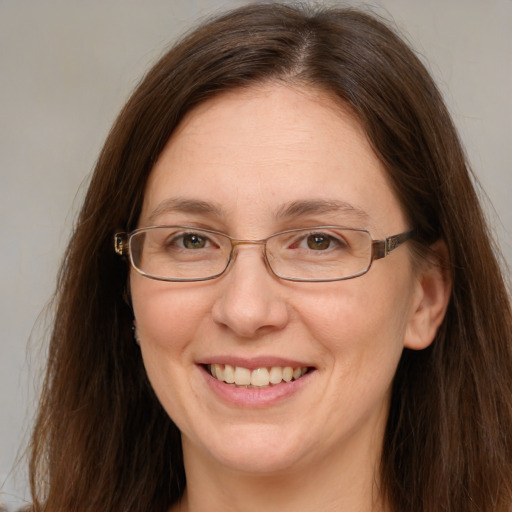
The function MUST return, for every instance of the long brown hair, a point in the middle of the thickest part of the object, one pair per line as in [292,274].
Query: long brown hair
[103,442]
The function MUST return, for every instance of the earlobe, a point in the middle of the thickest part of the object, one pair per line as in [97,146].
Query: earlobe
[134,333]
[430,299]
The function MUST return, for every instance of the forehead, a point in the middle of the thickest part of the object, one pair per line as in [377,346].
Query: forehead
[251,153]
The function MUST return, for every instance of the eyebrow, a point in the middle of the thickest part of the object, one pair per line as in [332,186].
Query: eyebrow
[183,205]
[320,206]
[299,208]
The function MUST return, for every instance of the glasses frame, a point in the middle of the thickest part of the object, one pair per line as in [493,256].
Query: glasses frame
[379,249]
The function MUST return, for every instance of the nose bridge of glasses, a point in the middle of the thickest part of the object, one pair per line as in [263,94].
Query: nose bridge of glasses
[236,243]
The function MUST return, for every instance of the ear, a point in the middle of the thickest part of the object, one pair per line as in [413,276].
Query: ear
[430,298]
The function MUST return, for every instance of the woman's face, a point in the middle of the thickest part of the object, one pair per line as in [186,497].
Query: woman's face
[249,164]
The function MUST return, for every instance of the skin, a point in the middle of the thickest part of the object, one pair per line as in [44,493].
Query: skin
[251,153]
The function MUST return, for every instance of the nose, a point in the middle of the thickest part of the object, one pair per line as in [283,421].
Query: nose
[252,302]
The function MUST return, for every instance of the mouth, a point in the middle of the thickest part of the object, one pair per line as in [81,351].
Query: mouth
[256,378]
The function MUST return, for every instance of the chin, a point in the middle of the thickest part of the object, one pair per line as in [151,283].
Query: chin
[255,449]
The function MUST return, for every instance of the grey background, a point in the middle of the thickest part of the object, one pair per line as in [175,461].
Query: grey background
[67,67]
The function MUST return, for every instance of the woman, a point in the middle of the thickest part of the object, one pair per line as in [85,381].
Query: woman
[303,310]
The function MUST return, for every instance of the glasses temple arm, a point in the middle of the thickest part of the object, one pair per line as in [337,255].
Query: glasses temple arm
[381,248]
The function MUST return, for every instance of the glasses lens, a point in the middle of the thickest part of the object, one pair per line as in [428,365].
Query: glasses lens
[320,253]
[177,253]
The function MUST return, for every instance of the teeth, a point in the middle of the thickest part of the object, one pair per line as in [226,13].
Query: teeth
[218,371]
[242,376]
[229,374]
[258,378]
[276,375]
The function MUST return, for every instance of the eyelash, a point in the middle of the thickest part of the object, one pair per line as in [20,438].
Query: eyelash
[337,241]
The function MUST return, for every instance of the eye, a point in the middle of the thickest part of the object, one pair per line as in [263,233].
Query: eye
[186,241]
[193,241]
[319,241]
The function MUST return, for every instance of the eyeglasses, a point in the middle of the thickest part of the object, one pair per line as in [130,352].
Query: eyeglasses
[320,253]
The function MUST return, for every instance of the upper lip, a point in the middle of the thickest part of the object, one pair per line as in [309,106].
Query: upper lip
[253,362]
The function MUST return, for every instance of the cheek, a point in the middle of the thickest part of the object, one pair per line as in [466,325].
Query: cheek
[360,322]
[362,336]
[349,312]
[167,314]
[168,318]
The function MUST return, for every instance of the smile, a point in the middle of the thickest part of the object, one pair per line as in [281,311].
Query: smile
[256,378]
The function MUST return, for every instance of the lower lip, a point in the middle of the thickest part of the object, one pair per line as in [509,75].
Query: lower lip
[255,397]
